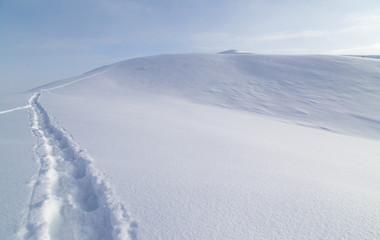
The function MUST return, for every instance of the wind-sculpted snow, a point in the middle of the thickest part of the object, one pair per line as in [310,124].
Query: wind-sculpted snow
[334,93]
[71,199]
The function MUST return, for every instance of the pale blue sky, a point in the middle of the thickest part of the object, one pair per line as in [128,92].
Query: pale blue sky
[44,40]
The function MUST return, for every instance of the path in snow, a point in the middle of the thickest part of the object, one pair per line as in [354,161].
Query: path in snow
[70,199]
[15,109]
[56,85]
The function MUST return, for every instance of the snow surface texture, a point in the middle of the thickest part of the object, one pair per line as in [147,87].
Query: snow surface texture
[189,169]
[17,169]
[71,199]
[209,146]
[328,92]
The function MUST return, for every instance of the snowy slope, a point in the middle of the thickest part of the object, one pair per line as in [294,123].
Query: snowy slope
[208,146]
[189,171]
[329,92]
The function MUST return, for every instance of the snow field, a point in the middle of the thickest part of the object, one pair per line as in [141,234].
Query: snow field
[204,172]
[209,146]
[201,146]
[18,168]
[334,93]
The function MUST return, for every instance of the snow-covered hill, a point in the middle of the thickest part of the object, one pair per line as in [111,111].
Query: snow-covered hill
[339,94]
[205,146]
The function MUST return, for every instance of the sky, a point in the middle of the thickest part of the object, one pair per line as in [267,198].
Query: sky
[42,40]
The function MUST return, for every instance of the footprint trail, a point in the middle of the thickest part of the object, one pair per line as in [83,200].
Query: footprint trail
[70,199]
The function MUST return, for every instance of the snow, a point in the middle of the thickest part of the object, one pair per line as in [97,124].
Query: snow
[18,168]
[204,146]
[327,92]
[70,199]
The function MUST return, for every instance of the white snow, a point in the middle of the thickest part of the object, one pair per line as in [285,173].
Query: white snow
[70,199]
[207,146]
[17,169]
[327,92]
[15,109]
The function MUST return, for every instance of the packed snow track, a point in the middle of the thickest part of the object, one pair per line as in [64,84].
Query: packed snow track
[70,199]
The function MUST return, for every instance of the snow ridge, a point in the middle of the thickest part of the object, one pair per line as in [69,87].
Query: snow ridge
[70,199]
[66,82]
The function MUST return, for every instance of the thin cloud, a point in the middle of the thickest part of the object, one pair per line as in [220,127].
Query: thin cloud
[71,43]
[217,41]
[373,49]
[211,37]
